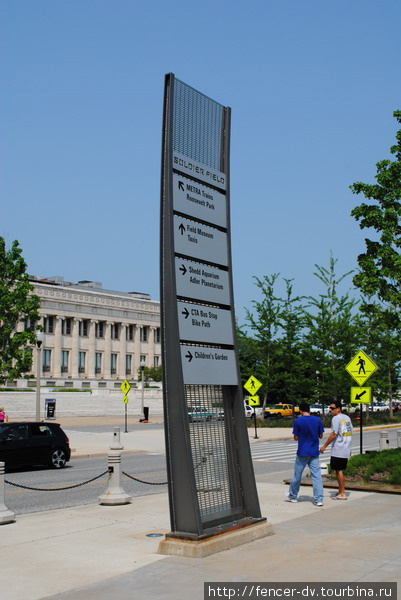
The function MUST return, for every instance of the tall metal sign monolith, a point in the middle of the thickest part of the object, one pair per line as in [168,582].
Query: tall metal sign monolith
[211,479]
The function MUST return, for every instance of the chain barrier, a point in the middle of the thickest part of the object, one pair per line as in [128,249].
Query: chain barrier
[142,481]
[60,489]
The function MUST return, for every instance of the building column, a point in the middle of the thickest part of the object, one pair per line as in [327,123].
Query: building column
[151,346]
[75,348]
[91,349]
[107,350]
[57,347]
[137,350]
[123,351]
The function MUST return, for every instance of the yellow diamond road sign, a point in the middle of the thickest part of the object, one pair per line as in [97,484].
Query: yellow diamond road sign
[252,385]
[361,395]
[253,400]
[361,367]
[125,387]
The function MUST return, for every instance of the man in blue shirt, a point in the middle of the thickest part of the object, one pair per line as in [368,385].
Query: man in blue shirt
[307,431]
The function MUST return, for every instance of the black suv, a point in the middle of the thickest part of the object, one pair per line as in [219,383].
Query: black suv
[36,443]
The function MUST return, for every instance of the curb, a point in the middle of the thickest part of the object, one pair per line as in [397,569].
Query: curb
[350,486]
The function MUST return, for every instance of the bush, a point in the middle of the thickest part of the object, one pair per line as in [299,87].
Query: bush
[367,465]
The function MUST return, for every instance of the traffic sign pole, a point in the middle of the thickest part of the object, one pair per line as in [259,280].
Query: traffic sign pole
[360,429]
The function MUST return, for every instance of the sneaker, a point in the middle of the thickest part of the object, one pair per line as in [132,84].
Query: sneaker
[288,499]
[318,503]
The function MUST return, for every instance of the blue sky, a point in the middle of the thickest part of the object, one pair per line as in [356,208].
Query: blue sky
[312,86]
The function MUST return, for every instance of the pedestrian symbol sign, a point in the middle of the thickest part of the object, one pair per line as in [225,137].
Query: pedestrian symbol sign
[125,387]
[361,367]
[252,385]
[253,400]
[361,395]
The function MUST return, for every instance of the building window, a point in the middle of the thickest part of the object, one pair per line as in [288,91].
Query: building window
[66,326]
[99,329]
[64,361]
[157,335]
[130,332]
[156,361]
[48,324]
[128,364]
[46,360]
[115,331]
[29,325]
[113,363]
[98,362]
[81,362]
[144,334]
[83,328]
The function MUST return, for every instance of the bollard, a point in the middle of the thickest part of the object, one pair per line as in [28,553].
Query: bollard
[6,516]
[324,470]
[384,441]
[398,438]
[116,443]
[115,495]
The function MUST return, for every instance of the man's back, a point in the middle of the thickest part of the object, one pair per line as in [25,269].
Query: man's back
[308,429]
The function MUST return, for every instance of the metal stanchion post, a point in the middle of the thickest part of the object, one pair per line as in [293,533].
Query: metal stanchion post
[115,494]
[384,441]
[398,438]
[6,516]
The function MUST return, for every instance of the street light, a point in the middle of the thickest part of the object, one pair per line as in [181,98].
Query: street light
[142,364]
[39,340]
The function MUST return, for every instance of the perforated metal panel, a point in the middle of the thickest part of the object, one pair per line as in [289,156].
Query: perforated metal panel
[197,126]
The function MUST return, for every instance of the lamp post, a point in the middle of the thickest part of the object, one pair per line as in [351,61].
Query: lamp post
[39,340]
[142,363]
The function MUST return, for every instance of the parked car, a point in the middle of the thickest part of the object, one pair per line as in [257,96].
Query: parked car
[378,407]
[33,443]
[317,409]
[197,414]
[280,410]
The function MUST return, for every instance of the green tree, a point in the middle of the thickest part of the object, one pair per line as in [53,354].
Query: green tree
[379,275]
[265,324]
[17,304]
[380,265]
[332,334]
[150,374]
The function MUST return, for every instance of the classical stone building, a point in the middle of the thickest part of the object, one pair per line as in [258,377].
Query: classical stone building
[94,338]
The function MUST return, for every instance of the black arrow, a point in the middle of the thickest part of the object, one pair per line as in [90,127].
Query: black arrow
[182,229]
[183,269]
[186,313]
[189,356]
[181,185]
[359,396]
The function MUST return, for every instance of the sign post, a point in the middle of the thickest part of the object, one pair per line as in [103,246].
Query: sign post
[361,367]
[252,386]
[125,388]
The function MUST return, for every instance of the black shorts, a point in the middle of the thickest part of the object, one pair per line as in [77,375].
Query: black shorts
[338,464]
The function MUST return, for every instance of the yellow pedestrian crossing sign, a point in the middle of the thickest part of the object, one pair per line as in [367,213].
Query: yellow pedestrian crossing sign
[125,387]
[252,385]
[253,400]
[361,395]
[361,367]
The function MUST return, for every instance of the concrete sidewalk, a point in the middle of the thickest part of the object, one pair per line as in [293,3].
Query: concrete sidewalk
[103,552]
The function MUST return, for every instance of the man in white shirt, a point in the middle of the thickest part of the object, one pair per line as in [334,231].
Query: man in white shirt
[341,438]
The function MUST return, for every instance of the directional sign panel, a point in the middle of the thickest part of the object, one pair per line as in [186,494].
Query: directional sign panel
[253,400]
[199,201]
[210,366]
[361,367]
[252,385]
[199,171]
[361,395]
[200,241]
[201,282]
[198,323]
